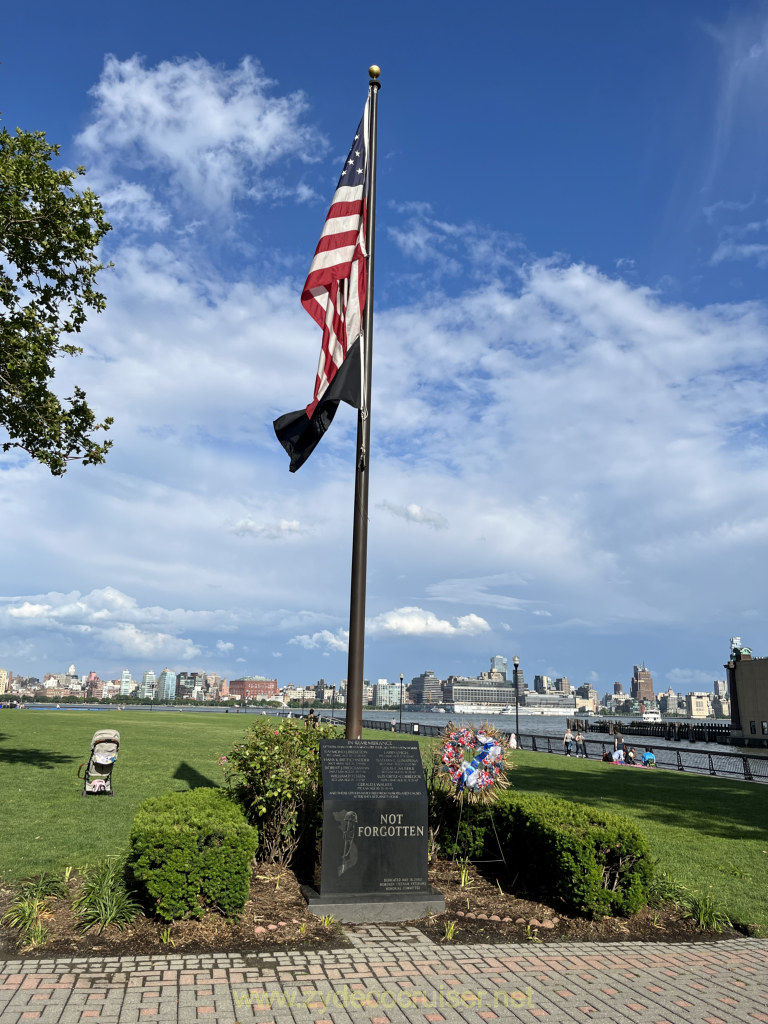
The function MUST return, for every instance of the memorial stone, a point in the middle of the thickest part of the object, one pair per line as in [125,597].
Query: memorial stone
[375,833]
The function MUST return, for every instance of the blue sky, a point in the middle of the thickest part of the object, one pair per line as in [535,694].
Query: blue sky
[569,418]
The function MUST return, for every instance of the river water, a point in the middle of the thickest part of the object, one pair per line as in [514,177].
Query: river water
[535,725]
[530,724]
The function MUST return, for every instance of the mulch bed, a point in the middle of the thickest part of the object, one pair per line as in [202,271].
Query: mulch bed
[276,917]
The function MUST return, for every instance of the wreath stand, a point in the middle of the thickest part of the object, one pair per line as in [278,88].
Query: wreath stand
[501,859]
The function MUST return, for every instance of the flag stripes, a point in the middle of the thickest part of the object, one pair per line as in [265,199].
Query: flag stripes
[334,292]
[334,296]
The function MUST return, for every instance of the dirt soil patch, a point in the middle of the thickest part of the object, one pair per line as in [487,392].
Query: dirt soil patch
[482,910]
[276,917]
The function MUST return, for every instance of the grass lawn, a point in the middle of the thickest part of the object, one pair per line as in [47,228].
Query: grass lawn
[703,831]
[46,822]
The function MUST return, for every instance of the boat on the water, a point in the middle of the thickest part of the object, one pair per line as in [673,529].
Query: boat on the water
[651,716]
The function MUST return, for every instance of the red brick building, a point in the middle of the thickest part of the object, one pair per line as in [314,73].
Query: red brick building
[253,688]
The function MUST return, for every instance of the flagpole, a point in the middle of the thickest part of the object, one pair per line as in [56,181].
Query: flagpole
[362,452]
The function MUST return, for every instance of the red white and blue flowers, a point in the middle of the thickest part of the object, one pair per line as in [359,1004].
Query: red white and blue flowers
[474,762]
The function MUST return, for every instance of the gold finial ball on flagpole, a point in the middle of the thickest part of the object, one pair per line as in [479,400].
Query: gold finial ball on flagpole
[374,70]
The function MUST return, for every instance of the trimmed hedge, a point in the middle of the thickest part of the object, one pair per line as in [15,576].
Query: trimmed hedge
[190,851]
[592,862]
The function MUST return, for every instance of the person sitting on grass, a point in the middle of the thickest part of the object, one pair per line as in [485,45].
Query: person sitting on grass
[618,756]
[630,757]
[649,759]
[606,757]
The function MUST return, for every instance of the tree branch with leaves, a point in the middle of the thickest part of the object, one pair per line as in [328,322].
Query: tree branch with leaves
[49,236]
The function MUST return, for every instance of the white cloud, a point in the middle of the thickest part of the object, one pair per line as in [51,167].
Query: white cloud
[448,249]
[270,531]
[224,646]
[411,621]
[729,251]
[337,641]
[689,677]
[480,590]
[212,131]
[129,639]
[416,514]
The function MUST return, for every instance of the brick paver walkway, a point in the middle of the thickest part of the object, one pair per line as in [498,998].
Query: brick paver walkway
[394,975]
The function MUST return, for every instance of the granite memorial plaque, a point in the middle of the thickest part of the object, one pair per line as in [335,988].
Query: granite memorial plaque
[375,832]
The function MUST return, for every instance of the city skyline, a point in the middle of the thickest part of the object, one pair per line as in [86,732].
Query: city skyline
[153,679]
[570,355]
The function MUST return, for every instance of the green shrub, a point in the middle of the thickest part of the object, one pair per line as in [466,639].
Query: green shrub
[275,774]
[591,862]
[192,850]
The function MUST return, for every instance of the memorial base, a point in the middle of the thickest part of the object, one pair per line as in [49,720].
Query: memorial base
[375,908]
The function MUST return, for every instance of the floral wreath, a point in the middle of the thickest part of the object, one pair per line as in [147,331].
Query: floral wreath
[475,762]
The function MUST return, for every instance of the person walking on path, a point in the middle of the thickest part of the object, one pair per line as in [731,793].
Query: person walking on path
[567,741]
[392,724]
[581,747]
[311,722]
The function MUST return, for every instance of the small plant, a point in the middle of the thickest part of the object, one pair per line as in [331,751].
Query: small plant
[44,886]
[24,911]
[464,879]
[165,936]
[303,928]
[664,889]
[449,931]
[706,911]
[327,920]
[32,902]
[35,937]
[104,898]
[531,934]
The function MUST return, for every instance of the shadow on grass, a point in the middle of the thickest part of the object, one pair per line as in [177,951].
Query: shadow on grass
[34,758]
[718,807]
[193,778]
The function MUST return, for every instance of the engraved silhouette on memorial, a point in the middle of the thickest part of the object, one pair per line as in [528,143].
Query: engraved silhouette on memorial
[348,824]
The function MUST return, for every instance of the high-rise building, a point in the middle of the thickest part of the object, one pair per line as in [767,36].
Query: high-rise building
[4,676]
[499,664]
[562,685]
[426,688]
[542,684]
[642,684]
[697,705]
[386,693]
[147,685]
[126,683]
[720,688]
[618,688]
[166,685]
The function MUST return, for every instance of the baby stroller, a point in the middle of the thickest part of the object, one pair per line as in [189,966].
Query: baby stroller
[97,780]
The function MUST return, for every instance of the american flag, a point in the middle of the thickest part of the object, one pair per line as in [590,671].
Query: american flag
[334,292]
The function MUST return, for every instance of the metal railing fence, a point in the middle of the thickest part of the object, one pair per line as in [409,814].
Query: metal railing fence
[732,764]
